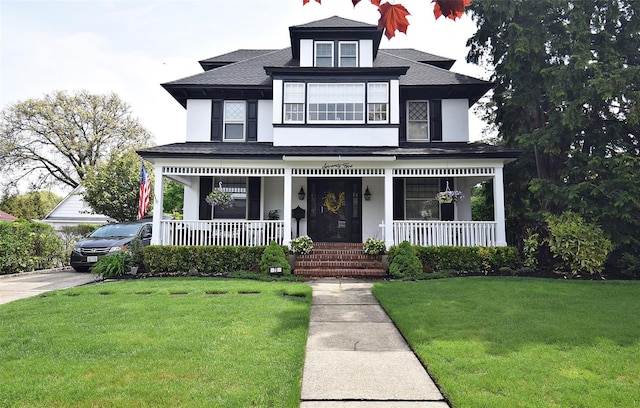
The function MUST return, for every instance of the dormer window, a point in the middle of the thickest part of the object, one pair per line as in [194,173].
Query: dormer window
[324,54]
[348,51]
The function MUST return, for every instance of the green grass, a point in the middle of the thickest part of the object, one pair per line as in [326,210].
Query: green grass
[512,342]
[156,343]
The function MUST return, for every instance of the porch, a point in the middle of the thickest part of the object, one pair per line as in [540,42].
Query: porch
[258,233]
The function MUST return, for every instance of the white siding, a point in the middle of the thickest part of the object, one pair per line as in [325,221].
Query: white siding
[265,121]
[373,210]
[277,101]
[394,102]
[360,136]
[198,120]
[455,120]
[191,208]
[306,53]
[366,53]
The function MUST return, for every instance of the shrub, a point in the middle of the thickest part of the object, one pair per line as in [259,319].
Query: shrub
[219,260]
[464,259]
[137,255]
[113,266]
[405,262]
[581,246]
[302,245]
[27,246]
[273,255]
[374,246]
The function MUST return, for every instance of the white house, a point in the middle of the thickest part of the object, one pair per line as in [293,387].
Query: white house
[73,210]
[360,138]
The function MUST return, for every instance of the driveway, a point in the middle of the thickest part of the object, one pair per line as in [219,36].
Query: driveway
[19,286]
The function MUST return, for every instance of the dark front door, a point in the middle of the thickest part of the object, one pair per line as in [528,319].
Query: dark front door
[335,210]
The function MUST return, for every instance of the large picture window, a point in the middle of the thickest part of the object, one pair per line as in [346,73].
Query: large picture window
[336,103]
[378,102]
[294,102]
[234,120]
[324,54]
[420,198]
[417,121]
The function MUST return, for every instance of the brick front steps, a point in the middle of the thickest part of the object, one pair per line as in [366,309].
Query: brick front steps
[338,259]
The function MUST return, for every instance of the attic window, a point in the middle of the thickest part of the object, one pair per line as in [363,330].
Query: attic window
[324,54]
[348,53]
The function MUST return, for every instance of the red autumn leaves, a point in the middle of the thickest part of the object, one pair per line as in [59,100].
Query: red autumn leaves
[394,16]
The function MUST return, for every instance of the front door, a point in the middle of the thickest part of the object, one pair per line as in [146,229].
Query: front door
[335,210]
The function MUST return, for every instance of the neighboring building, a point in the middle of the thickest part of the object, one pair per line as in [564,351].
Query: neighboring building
[73,210]
[361,138]
[6,216]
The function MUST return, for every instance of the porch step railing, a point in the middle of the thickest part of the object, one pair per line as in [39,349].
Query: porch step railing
[445,233]
[221,232]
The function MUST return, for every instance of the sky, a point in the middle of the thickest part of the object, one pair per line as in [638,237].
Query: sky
[130,47]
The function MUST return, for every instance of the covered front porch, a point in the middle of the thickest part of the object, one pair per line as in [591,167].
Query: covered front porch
[344,199]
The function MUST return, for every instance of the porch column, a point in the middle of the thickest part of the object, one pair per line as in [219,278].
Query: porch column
[388,207]
[286,238]
[157,204]
[498,207]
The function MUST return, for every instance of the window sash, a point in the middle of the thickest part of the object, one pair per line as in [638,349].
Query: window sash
[348,51]
[420,198]
[417,121]
[331,102]
[324,54]
[234,120]
[378,102]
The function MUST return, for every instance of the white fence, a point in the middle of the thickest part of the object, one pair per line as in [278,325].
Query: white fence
[221,232]
[445,233]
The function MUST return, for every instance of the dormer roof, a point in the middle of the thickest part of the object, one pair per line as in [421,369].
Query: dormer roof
[333,28]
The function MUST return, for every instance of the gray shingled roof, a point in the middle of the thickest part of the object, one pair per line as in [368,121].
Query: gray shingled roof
[250,72]
[267,151]
[335,22]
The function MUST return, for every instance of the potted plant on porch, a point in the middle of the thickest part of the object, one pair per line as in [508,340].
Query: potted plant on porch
[449,196]
[219,198]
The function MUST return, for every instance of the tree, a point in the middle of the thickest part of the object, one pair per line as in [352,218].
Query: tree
[173,200]
[566,94]
[393,16]
[57,138]
[113,187]
[34,205]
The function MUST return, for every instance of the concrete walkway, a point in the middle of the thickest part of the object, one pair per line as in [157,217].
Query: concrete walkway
[23,285]
[355,355]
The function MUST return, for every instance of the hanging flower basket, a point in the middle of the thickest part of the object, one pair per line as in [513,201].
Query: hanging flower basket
[219,198]
[449,196]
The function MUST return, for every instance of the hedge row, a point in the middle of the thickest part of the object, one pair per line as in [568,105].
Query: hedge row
[204,259]
[27,246]
[464,259]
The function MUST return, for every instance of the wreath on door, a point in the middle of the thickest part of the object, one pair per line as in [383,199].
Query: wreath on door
[334,202]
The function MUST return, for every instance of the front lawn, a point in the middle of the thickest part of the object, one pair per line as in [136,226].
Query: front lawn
[156,343]
[515,342]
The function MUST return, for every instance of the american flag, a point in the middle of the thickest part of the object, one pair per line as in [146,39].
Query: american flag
[145,193]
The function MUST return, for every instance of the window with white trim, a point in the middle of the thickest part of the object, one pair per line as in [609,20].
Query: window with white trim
[420,198]
[294,94]
[348,53]
[336,103]
[417,121]
[234,120]
[377,102]
[324,53]
[237,187]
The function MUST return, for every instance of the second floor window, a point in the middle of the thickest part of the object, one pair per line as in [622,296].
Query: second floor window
[234,120]
[324,54]
[330,102]
[294,102]
[378,102]
[417,121]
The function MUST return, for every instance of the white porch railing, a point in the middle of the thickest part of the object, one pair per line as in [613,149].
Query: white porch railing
[221,232]
[445,233]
